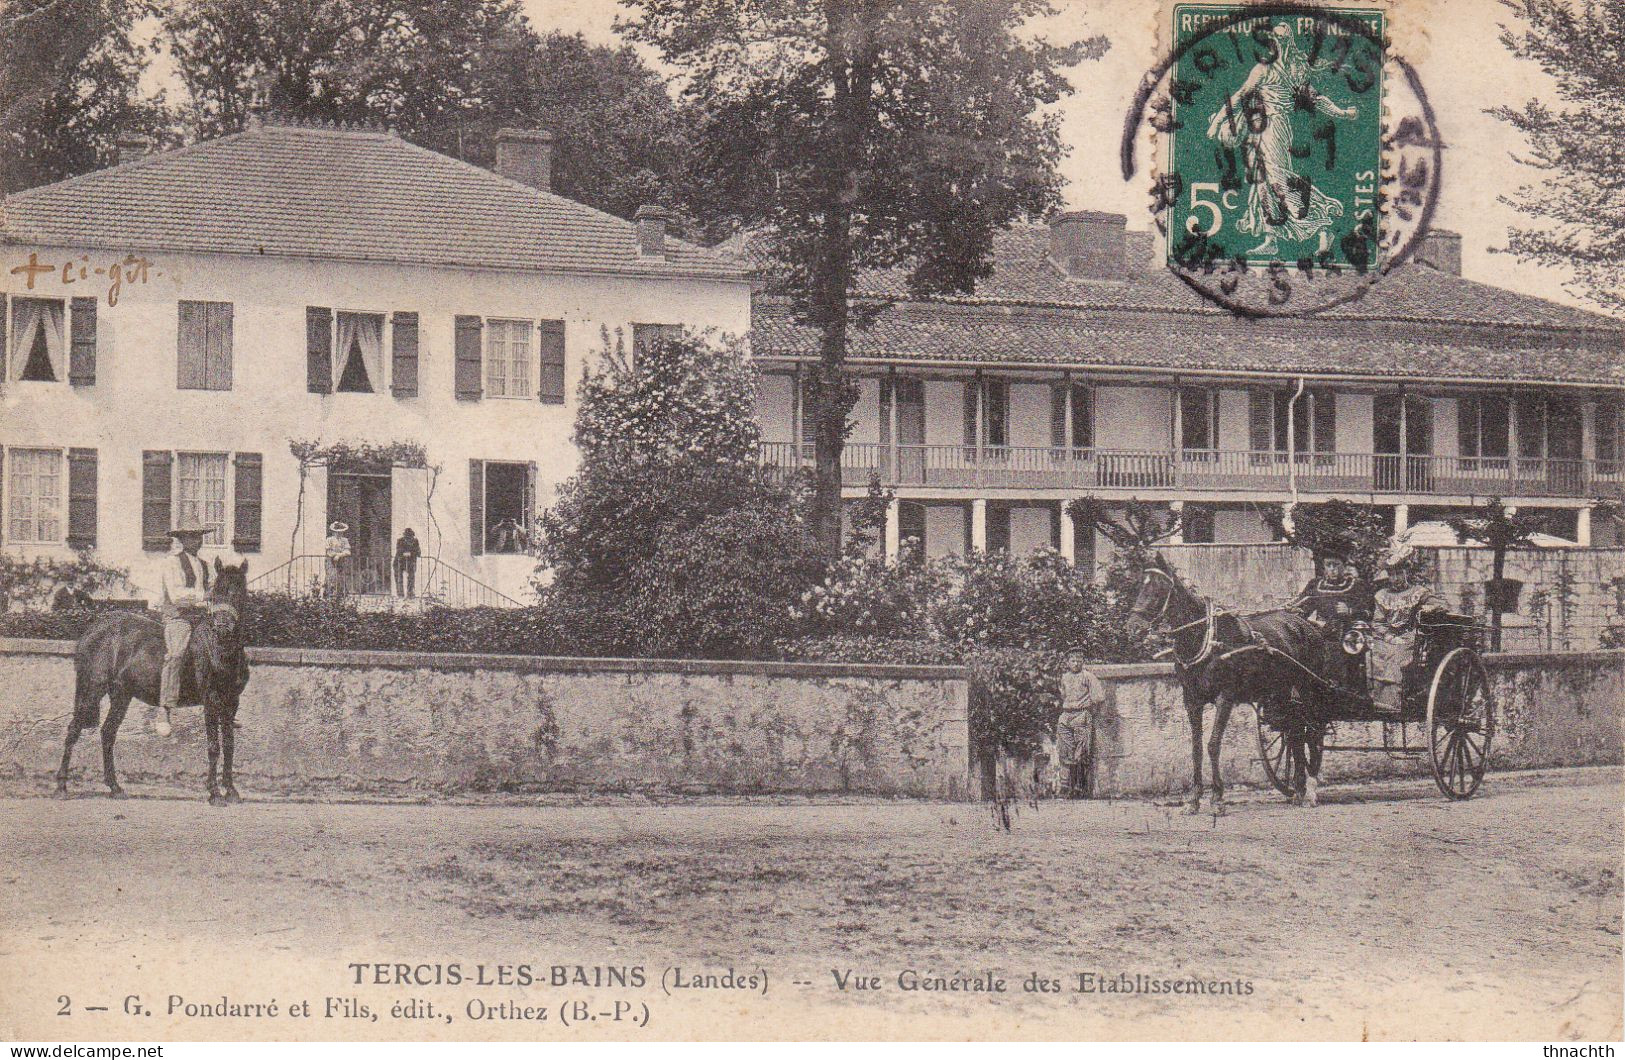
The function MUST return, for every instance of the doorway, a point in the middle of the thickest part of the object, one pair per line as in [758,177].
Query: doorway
[1402,433]
[362,501]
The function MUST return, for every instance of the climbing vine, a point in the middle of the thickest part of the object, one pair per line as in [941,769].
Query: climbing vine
[362,455]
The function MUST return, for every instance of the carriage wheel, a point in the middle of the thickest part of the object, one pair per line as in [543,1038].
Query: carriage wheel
[1275,752]
[1461,723]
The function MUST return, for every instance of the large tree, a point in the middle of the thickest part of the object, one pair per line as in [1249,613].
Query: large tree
[1580,145]
[446,74]
[69,85]
[865,134]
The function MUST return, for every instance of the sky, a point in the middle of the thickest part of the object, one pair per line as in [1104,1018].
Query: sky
[1454,45]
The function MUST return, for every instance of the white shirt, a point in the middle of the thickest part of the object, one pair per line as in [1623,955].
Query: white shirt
[173,591]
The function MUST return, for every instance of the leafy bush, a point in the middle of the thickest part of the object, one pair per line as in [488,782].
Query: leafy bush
[36,582]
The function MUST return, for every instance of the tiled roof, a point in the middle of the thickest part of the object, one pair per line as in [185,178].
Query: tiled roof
[345,194]
[1415,322]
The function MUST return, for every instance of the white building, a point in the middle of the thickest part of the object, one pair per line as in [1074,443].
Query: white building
[172,323]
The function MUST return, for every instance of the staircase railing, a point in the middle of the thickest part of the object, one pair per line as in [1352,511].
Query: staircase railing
[436,583]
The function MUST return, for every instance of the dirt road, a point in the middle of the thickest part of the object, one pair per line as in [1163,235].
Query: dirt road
[1388,912]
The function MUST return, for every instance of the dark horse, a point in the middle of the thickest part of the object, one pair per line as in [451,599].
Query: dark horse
[1224,658]
[121,656]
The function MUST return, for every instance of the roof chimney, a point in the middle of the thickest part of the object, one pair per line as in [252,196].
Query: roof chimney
[651,221]
[1089,245]
[1440,249]
[526,156]
[132,146]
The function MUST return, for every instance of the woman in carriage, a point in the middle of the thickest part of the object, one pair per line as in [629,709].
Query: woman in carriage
[1399,606]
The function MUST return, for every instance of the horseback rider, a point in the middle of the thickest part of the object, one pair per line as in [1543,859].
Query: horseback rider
[183,598]
[1334,600]
[1399,605]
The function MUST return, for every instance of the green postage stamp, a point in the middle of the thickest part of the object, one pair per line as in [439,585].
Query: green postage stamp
[1275,137]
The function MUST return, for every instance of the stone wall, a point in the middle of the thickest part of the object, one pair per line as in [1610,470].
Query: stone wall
[421,724]
[404,722]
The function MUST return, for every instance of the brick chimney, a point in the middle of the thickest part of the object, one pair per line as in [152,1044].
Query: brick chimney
[1440,249]
[526,156]
[652,221]
[1089,245]
[132,146]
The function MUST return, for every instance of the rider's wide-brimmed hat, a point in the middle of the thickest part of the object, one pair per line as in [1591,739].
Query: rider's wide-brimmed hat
[339,528]
[183,529]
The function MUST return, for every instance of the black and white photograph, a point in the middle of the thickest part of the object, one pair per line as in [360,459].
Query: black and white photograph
[569,521]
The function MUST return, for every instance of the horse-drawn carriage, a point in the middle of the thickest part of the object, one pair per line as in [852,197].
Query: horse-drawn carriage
[1301,688]
[1447,709]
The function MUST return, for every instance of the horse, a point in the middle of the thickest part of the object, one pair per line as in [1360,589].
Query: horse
[121,656]
[1224,658]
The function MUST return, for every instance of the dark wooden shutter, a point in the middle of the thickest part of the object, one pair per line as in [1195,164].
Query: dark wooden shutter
[318,350]
[247,504]
[476,507]
[972,398]
[217,374]
[809,419]
[551,333]
[1057,416]
[1605,434]
[468,356]
[1261,420]
[191,346]
[998,528]
[1467,426]
[403,374]
[82,498]
[1325,438]
[156,475]
[1083,416]
[82,353]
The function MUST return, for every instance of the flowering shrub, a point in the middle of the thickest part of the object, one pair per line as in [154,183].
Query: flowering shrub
[39,581]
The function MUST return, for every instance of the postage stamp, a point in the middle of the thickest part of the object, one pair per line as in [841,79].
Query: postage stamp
[1297,158]
[1276,137]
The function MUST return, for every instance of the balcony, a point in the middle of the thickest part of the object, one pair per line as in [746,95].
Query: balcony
[1033,468]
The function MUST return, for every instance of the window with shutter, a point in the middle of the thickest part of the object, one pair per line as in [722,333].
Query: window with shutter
[247,504]
[82,352]
[645,336]
[204,346]
[156,499]
[38,340]
[507,358]
[467,342]
[403,376]
[1057,417]
[34,496]
[318,350]
[200,493]
[1083,416]
[82,498]
[551,354]
[1198,422]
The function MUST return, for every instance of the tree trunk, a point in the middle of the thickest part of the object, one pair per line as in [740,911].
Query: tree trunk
[1499,569]
[851,66]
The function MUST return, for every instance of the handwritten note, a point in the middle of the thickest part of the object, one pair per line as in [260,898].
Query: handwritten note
[131,269]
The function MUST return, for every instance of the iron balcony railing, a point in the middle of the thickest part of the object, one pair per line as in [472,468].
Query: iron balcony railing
[1032,467]
[437,583]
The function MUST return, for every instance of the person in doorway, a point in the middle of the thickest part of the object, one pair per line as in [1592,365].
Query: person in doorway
[183,598]
[338,557]
[1082,695]
[407,551]
[1400,605]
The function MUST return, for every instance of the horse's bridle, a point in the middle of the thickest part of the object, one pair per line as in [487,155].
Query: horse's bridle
[1210,617]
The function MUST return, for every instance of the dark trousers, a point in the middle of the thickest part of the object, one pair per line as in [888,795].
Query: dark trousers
[406,576]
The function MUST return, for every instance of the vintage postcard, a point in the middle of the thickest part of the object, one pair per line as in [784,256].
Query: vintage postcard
[571,520]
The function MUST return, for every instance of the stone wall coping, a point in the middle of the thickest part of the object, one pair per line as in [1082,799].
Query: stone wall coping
[413,660]
[409,660]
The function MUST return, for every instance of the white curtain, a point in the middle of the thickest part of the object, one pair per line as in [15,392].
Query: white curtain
[31,315]
[365,330]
